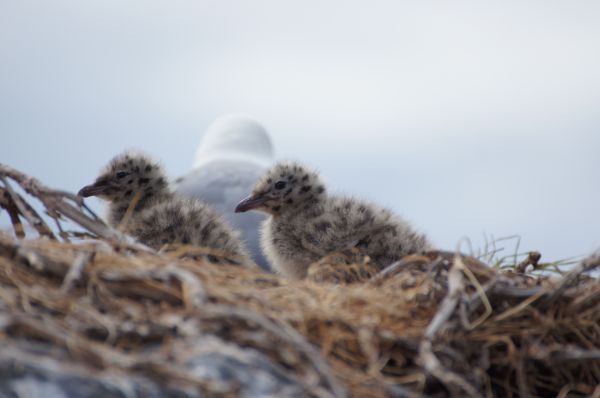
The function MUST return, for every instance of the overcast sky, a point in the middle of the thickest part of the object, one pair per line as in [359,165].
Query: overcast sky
[466,117]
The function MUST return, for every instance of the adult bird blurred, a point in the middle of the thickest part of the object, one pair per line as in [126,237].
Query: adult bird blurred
[232,154]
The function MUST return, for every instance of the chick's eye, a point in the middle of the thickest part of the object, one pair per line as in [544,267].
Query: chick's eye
[280,185]
[122,174]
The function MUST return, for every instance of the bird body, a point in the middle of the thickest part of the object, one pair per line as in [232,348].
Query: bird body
[143,205]
[306,224]
[232,155]
[184,221]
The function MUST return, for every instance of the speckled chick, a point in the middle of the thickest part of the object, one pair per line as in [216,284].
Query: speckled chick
[306,223]
[158,216]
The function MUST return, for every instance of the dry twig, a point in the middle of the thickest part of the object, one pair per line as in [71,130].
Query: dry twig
[533,258]
[588,264]
[57,202]
[427,357]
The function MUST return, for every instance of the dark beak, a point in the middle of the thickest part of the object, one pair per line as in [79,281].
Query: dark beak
[92,190]
[251,202]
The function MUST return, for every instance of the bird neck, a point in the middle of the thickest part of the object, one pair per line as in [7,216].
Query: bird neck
[118,209]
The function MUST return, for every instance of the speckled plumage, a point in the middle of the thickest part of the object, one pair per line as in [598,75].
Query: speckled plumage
[159,216]
[306,223]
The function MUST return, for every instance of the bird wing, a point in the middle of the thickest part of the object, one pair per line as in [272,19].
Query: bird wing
[330,237]
[358,236]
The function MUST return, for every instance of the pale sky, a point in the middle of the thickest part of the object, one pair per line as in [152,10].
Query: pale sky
[465,117]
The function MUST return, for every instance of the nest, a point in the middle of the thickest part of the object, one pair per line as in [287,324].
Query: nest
[123,320]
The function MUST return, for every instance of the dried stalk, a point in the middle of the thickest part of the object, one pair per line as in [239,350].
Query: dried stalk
[59,203]
[75,272]
[18,204]
[8,204]
[586,265]
[288,334]
[533,259]
[427,357]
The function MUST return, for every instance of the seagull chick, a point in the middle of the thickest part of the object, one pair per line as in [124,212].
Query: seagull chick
[136,188]
[306,223]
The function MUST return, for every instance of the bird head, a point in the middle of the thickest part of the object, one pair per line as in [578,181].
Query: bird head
[284,187]
[235,137]
[125,176]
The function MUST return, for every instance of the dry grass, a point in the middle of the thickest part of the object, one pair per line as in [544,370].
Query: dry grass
[435,324]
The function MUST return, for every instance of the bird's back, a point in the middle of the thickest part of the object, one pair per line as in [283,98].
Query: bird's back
[374,230]
[340,223]
[185,221]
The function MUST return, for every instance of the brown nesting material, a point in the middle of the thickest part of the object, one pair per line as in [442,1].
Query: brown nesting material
[109,312]
[435,326]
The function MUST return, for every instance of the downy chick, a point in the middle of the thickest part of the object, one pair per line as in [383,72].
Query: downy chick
[158,216]
[306,223]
